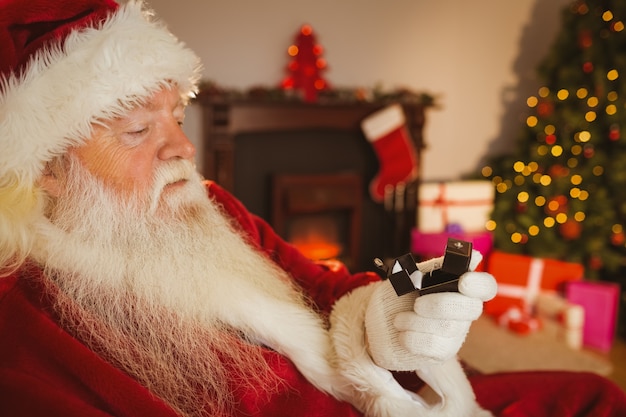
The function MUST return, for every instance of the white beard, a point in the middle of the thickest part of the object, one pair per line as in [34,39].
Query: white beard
[166,277]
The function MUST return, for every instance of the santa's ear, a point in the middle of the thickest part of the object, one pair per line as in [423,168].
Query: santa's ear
[49,182]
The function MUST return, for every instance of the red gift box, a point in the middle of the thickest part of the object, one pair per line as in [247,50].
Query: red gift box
[433,245]
[521,278]
[600,301]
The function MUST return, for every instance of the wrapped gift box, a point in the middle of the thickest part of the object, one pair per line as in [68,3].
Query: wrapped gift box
[600,301]
[569,318]
[433,245]
[521,278]
[466,203]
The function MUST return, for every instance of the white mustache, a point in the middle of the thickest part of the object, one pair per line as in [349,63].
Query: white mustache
[170,173]
[173,171]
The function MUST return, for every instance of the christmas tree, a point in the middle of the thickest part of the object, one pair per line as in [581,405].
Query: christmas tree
[305,66]
[562,193]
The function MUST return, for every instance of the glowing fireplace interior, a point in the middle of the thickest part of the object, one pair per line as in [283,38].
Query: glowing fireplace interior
[320,214]
[317,237]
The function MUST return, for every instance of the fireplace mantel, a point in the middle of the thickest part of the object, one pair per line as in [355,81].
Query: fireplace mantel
[224,119]
[270,138]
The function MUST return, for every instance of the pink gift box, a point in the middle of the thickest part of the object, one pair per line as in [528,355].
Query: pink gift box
[433,245]
[600,301]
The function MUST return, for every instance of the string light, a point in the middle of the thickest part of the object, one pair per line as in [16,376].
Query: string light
[557,151]
[611,109]
[545,180]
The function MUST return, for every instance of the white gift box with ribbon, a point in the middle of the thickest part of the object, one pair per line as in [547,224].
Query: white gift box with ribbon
[464,203]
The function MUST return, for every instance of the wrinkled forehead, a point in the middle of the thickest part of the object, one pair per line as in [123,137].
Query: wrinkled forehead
[170,92]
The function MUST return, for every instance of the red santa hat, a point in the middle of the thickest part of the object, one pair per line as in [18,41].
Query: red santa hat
[63,65]
[66,63]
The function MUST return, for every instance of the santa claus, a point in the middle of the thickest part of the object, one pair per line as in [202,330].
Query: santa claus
[131,287]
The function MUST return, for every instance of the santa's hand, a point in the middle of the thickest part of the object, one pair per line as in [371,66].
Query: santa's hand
[408,332]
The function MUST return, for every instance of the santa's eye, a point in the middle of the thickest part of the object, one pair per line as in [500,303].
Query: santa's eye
[137,132]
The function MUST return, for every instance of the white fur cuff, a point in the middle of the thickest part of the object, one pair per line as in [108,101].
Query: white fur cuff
[376,392]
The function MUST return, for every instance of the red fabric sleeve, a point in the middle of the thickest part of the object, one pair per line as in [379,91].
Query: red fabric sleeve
[324,283]
[548,394]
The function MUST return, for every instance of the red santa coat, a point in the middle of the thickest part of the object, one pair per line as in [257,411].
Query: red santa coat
[44,371]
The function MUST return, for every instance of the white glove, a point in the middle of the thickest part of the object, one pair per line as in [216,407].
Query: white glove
[409,332]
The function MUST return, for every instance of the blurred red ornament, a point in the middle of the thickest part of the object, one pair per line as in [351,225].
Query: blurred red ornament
[558,171]
[545,109]
[306,30]
[521,207]
[580,7]
[550,139]
[599,90]
[519,321]
[614,133]
[556,205]
[584,39]
[589,151]
[595,262]
[618,239]
[361,94]
[571,229]
[588,67]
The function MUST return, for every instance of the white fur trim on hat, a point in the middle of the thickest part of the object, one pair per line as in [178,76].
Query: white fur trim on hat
[95,74]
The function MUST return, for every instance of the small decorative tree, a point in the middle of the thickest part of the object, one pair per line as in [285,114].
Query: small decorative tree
[306,65]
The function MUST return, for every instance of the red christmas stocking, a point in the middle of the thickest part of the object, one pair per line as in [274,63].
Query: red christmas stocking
[386,131]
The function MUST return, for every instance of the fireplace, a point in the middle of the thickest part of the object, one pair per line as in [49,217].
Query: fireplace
[277,157]
[320,214]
